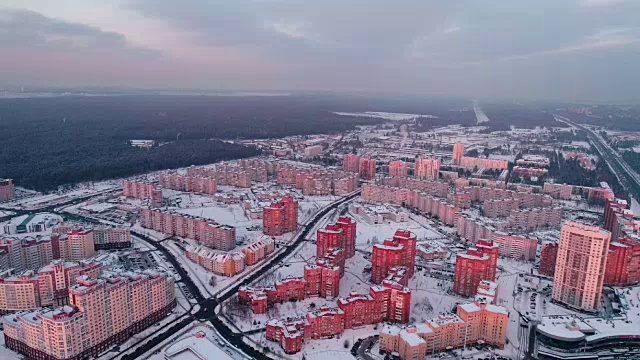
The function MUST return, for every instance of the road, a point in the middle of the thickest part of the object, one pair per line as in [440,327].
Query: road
[628,178]
[365,346]
[208,304]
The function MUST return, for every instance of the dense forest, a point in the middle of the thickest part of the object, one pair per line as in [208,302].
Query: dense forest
[47,142]
[633,159]
[612,117]
[502,116]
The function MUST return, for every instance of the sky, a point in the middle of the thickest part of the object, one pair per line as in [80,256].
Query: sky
[543,49]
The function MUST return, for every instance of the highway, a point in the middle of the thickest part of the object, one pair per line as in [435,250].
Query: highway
[208,304]
[628,178]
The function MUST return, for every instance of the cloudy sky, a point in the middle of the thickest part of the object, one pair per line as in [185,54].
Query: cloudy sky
[553,49]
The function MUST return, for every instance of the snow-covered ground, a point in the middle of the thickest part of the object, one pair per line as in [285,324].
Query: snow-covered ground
[368,234]
[208,344]
[481,117]
[36,200]
[6,213]
[319,349]
[49,219]
[6,354]
[385,115]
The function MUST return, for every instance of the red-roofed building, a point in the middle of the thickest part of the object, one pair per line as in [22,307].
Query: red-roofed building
[623,263]
[367,168]
[548,259]
[289,333]
[394,303]
[360,310]
[280,217]
[348,226]
[325,322]
[477,264]
[399,251]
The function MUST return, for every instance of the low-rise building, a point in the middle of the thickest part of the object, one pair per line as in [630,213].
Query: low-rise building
[474,324]
[219,263]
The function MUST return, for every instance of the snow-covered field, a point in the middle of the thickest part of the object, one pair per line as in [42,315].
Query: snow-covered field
[368,234]
[38,200]
[385,115]
[207,345]
[6,213]
[319,349]
[481,117]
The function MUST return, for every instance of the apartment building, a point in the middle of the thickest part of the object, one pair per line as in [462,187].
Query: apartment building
[289,333]
[516,246]
[7,190]
[548,257]
[313,151]
[558,191]
[351,163]
[102,312]
[280,217]
[398,251]
[258,249]
[398,168]
[143,190]
[580,266]
[225,174]
[427,169]
[367,168]
[108,238]
[477,264]
[480,163]
[342,234]
[473,324]
[435,188]
[195,184]
[171,223]
[220,263]
[458,153]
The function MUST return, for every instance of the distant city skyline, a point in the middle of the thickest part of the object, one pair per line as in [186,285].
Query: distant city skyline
[567,50]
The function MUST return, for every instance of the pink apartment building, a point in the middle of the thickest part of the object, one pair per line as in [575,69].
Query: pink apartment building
[580,266]
[473,324]
[398,168]
[351,163]
[7,190]
[427,169]
[102,312]
[458,153]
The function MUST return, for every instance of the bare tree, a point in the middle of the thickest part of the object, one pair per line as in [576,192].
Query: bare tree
[213,281]
[346,344]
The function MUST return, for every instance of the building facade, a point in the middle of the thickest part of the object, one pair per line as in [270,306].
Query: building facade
[280,217]
[102,312]
[473,324]
[580,266]
[548,257]
[398,168]
[427,169]
[208,232]
[477,264]
[398,251]
[458,153]
[7,190]
[367,168]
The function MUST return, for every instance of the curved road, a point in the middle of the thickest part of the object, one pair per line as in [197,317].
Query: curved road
[208,305]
